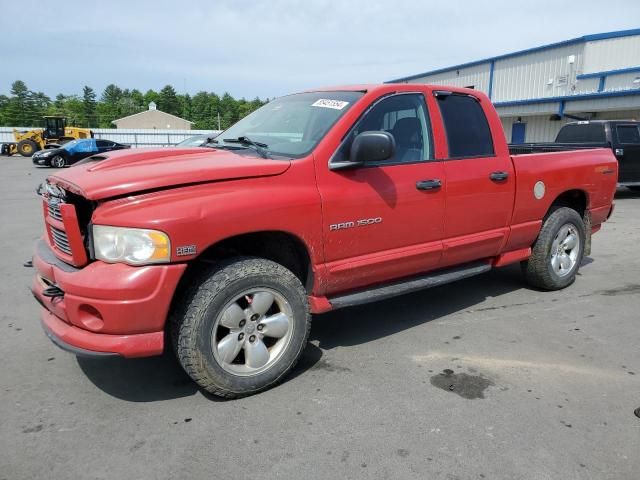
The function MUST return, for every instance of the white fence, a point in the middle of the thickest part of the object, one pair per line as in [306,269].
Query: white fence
[133,137]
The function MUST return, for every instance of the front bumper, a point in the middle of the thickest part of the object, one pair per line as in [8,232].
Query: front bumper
[106,308]
[42,161]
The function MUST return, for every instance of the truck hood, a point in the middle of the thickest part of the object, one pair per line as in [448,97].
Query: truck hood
[129,171]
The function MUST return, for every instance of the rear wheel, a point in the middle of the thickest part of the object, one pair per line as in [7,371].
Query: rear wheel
[558,251]
[26,148]
[241,327]
[58,161]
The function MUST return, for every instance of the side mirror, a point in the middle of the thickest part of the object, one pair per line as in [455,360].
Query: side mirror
[373,146]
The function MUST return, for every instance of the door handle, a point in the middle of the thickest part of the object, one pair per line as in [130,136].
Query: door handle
[433,184]
[499,176]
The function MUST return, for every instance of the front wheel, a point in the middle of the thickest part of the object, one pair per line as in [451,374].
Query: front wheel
[558,251]
[58,161]
[26,148]
[241,327]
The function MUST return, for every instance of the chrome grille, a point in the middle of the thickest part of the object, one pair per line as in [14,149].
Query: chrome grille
[54,210]
[60,240]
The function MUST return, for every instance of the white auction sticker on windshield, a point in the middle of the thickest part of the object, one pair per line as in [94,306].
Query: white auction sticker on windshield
[325,103]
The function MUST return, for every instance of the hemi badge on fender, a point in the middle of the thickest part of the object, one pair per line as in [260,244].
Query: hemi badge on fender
[186,250]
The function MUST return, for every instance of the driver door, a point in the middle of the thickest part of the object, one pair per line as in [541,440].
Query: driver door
[384,220]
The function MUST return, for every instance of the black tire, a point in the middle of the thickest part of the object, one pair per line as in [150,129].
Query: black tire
[538,270]
[58,161]
[194,315]
[26,148]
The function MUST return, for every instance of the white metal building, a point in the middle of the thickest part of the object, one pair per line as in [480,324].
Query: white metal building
[536,91]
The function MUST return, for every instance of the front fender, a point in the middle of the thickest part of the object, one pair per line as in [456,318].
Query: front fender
[199,216]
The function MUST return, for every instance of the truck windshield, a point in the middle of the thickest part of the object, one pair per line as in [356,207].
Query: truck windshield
[291,126]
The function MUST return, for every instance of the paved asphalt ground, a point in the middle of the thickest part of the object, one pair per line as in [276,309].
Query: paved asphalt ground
[539,385]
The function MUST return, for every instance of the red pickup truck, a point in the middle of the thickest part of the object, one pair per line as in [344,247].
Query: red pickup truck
[316,201]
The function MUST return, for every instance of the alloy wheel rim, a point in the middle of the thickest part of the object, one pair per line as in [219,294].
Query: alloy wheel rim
[252,332]
[58,161]
[564,250]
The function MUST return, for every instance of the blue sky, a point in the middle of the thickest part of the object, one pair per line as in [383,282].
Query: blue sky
[275,47]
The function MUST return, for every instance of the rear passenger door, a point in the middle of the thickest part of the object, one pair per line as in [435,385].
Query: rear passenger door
[628,152]
[480,183]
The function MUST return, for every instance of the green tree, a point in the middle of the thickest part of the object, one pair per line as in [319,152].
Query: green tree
[74,110]
[168,101]
[185,106]
[201,111]
[151,96]
[25,108]
[20,110]
[4,101]
[59,103]
[138,99]
[228,110]
[216,111]
[127,104]
[111,105]
[89,107]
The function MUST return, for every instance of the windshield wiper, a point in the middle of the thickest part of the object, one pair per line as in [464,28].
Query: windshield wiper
[257,146]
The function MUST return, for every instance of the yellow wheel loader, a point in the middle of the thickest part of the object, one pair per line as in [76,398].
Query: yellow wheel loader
[54,133]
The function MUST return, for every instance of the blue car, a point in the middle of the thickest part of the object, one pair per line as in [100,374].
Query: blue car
[74,151]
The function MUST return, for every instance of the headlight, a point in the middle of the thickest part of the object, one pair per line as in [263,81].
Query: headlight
[135,246]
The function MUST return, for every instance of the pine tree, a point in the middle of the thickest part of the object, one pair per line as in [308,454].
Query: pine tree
[89,106]
[20,109]
[111,109]
[168,101]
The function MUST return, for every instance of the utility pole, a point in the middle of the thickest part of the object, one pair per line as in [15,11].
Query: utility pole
[219,121]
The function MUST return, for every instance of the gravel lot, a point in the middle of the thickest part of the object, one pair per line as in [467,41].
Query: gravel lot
[539,385]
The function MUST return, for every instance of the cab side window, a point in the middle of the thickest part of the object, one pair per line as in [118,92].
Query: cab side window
[405,117]
[628,134]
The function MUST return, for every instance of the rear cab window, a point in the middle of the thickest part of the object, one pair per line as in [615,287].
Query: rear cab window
[466,125]
[582,133]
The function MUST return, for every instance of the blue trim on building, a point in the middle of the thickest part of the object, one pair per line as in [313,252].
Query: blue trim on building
[491,68]
[607,35]
[585,96]
[608,72]
[603,79]
[583,39]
